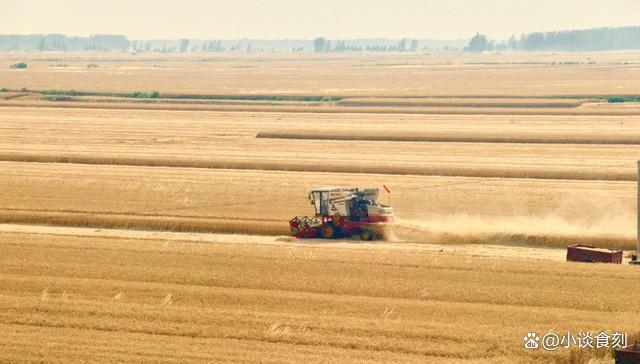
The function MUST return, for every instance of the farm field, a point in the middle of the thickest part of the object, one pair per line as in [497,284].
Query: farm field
[233,201]
[156,229]
[566,147]
[330,75]
[87,297]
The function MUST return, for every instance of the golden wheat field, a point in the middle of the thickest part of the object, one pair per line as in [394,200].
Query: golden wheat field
[156,230]
[83,296]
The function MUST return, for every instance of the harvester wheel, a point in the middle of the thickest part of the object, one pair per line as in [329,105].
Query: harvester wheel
[367,235]
[328,231]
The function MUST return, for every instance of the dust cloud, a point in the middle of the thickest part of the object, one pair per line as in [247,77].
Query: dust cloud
[612,232]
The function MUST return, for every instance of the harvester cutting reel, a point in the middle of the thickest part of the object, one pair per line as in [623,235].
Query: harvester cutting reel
[305,227]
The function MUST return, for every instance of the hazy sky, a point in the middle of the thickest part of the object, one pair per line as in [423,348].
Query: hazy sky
[440,19]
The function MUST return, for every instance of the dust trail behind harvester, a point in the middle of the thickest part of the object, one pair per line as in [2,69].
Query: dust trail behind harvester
[614,232]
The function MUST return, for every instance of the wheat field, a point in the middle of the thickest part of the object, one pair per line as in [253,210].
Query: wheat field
[98,298]
[426,75]
[156,230]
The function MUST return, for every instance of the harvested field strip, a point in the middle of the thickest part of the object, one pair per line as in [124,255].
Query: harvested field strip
[441,137]
[145,222]
[461,102]
[599,174]
[327,109]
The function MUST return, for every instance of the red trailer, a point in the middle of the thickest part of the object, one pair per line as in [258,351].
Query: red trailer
[590,254]
[628,355]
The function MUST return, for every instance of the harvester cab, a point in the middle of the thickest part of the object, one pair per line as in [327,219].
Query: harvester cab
[343,212]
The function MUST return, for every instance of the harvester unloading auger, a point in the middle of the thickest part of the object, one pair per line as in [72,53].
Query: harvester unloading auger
[343,212]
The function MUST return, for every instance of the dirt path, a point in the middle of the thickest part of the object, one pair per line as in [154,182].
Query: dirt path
[465,250]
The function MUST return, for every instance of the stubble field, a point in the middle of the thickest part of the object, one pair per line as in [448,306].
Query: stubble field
[493,172]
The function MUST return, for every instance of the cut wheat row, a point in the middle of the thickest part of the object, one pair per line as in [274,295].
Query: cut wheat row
[441,137]
[324,109]
[513,172]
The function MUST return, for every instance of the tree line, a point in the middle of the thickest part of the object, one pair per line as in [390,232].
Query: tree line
[323,45]
[59,42]
[597,39]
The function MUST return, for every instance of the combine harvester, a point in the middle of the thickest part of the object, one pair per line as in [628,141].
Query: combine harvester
[344,212]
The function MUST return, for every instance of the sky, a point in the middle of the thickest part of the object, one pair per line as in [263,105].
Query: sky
[305,19]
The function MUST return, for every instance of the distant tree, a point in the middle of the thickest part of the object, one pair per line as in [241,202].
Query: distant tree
[533,41]
[103,42]
[319,44]
[414,45]
[513,43]
[211,47]
[184,45]
[402,45]
[328,46]
[478,44]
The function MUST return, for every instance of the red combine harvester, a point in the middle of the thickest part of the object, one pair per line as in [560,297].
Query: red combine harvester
[343,212]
